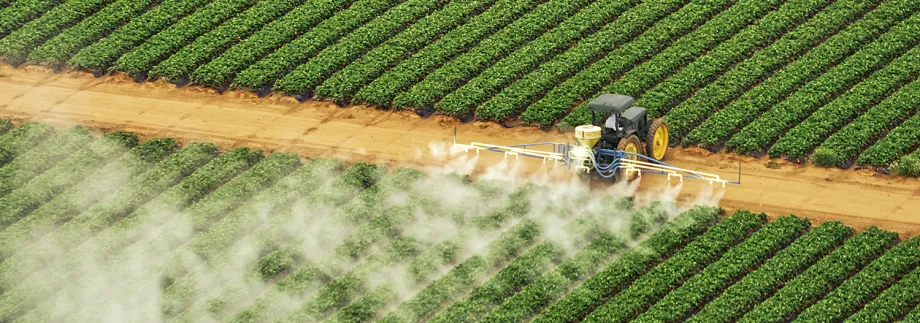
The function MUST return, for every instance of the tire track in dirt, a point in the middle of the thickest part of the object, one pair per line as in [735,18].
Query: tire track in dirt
[323,129]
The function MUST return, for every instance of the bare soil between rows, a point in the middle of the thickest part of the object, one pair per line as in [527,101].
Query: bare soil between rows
[312,129]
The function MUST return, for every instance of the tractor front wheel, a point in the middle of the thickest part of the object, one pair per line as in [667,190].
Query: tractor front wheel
[631,145]
[657,140]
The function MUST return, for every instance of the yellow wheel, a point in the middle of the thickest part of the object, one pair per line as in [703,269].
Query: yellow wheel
[630,144]
[657,139]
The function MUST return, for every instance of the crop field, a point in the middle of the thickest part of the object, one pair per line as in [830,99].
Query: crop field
[110,227]
[830,81]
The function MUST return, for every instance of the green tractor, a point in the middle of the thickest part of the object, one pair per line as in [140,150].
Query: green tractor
[627,127]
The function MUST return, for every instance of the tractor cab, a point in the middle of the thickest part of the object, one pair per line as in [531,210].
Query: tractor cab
[622,119]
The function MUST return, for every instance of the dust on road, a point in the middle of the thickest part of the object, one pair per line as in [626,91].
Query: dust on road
[322,129]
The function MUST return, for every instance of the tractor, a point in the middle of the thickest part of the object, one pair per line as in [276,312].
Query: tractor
[625,146]
[626,128]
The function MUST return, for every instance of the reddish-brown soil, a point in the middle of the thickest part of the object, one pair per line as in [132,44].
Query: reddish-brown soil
[322,129]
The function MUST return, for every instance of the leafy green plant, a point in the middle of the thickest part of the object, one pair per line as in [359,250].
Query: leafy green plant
[733,83]
[160,46]
[760,284]
[907,166]
[223,69]
[594,292]
[383,89]
[101,54]
[814,283]
[342,85]
[687,23]
[368,21]
[306,77]
[516,64]
[460,69]
[812,79]
[662,279]
[683,51]
[520,94]
[214,42]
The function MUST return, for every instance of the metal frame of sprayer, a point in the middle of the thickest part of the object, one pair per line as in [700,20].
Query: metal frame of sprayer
[582,159]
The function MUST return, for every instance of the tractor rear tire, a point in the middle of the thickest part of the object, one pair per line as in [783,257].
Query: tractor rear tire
[633,145]
[656,144]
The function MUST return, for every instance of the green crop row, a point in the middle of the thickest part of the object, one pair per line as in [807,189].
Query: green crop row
[760,284]
[102,53]
[72,170]
[581,301]
[447,251]
[273,238]
[59,49]
[460,69]
[22,139]
[75,200]
[663,34]
[193,188]
[815,68]
[5,125]
[158,47]
[855,292]
[241,221]
[43,156]
[223,69]
[342,85]
[522,271]
[307,275]
[519,275]
[214,42]
[364,308]
[306,77]
[811,285]
[535,297]
[896,143]
[336,294]
[22,11]
[703,103]
[683,51]
[913,316]
[664,95]
[365,23]
[516,64]
[758,135]
[657,282]
[223,200]
[812,68]
[382,90]
[733,265]
[229,197]
[460,279]
[137,190]
[530,87]
[212,245]
[271,303]
[274,265]
[846,144]
[15,47]
[892,303]
[800,140]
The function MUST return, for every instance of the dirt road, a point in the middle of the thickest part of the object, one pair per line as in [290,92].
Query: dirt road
[320,129]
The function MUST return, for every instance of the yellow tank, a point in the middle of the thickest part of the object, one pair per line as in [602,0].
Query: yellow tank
[588,135]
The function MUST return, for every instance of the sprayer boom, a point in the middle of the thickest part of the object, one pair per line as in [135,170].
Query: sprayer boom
[604,162]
